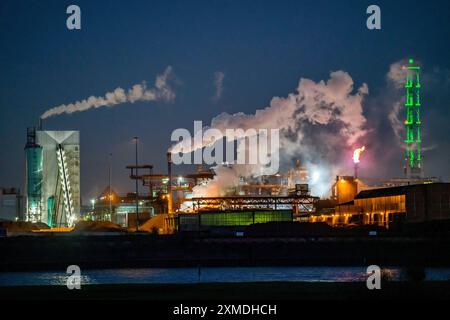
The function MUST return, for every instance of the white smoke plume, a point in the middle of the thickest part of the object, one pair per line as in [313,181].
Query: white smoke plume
[396,79]
[225,177]
[218,84]
[396,122]
[396,75]
[330,106]
[138,92]
[319,103]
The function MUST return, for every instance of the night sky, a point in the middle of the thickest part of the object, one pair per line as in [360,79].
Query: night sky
[263,48]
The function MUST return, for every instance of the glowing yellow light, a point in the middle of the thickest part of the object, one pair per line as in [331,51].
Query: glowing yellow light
[357,153]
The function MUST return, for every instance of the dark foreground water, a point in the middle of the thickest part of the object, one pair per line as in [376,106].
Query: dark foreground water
[193,275]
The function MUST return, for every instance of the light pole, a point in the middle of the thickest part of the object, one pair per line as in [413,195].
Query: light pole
[93,209]
[136,139]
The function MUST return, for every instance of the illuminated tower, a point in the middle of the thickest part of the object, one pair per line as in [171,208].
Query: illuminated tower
[413,157]
[53,177]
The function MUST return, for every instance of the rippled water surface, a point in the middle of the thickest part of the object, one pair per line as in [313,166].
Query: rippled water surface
[193,275]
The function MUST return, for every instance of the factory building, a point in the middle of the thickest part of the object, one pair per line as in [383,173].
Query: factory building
[238,211]
[11,204]
[417,203]
[345,189]
[389,207]
[210,219]
[120,209]
[52,187]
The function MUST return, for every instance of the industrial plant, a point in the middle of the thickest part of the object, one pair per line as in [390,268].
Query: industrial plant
[163,203]
[171,204]
[224,158]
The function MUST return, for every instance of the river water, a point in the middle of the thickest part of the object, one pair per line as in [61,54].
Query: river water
[227,274]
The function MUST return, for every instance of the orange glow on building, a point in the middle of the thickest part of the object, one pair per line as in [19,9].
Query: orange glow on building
[345,189]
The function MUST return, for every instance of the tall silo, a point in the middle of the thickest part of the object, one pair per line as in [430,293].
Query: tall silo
[59,187]
[33,180]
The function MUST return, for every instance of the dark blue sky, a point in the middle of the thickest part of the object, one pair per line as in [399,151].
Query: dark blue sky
[263,47]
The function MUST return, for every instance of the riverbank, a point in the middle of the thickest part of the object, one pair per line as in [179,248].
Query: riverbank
[262,291]
[48,252]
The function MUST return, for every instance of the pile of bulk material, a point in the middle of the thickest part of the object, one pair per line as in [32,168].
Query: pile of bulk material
[154,225]
[97,226]
[17,227]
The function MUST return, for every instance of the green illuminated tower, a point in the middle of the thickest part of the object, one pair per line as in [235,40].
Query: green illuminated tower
[413,157]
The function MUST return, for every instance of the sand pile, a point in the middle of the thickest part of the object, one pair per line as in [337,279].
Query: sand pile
[41,226]
[22,226]
[155,224]
[97,226]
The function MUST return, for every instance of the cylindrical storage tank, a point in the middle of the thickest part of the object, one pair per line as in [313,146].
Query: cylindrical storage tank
[34,183]
[346,188]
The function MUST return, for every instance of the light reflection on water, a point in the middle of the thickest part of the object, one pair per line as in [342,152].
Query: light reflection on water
[227,274]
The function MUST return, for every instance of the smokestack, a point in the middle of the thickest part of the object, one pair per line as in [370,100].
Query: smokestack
[40,124]
[169,183]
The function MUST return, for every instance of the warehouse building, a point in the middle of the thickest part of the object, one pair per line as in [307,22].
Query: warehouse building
[11,204]
[209,220]
[388,207]
[417,203]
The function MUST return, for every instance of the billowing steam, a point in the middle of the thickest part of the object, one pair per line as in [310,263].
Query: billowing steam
[396,75]
[314,103]
[139,92]
[396,78]
[327,113]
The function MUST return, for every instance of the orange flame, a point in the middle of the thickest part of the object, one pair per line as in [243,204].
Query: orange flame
[357,153]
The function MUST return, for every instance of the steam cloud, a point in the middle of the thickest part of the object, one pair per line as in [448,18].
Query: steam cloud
[396,78]
[138,92]
[316,103]
[330,108]
[396,75]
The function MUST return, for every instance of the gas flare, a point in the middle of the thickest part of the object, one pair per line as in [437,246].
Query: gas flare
[357,154]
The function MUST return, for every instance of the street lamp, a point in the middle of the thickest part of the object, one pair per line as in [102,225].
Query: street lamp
[110,191]
[136,140]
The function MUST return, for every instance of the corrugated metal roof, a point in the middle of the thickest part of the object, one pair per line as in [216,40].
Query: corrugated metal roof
[382,192]
[348,203]
[395,191]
